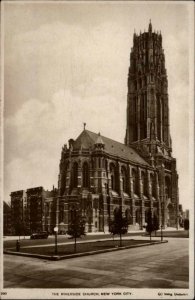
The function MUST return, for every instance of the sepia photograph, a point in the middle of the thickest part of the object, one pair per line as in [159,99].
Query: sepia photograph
[97,149]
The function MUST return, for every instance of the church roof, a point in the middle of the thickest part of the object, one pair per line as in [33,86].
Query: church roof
[87,139]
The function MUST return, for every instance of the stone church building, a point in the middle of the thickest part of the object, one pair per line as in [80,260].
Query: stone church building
[98,175]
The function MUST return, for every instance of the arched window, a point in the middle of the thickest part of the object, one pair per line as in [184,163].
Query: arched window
[99,162]
[113,177]
[146,215]
[140,83]
[61,213]
[143,116]
[92,164]
[137,216]
[108,205]
[116,211]
[74,175]
[144,183]
[159,118]
[134,110]
[167,187]
[153,185]
[85,175]
[112,181]
[72,215]
[128,216]
[124,179]
[135,183]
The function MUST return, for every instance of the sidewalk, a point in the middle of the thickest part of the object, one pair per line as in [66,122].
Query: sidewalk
[162,266]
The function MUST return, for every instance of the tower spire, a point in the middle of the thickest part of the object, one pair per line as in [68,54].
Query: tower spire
[150,26]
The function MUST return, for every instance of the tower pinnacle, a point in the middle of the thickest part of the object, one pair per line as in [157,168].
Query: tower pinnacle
[150,26]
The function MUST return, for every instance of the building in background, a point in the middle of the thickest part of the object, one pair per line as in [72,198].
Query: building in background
[28,210]
[6,219]
[18,200]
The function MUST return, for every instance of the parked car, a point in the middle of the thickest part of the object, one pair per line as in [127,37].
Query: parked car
[39,235]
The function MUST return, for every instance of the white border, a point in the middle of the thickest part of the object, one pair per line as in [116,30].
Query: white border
[135,293]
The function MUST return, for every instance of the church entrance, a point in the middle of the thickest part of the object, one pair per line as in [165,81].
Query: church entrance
[170,216]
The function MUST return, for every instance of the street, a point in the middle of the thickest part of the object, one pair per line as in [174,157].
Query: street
[156,266]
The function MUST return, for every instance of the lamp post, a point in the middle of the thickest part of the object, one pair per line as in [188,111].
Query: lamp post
[56,242]
[177,222]
[161,221]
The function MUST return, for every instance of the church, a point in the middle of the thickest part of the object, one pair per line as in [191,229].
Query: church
[98,175]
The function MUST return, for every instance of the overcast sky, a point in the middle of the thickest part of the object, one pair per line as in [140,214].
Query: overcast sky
[67,63]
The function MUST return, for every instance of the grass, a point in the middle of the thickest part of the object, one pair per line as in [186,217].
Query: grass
[176,234]
[66,249]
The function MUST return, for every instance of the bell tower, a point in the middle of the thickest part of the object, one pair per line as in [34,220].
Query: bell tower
[147,100]
[148,117]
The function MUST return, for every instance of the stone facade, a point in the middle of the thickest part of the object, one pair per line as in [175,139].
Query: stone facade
[18,200]
[98,176]
[7,230]
[148,117]
[28,210]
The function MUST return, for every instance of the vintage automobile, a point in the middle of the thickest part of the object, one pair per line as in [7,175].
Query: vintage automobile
[39,235]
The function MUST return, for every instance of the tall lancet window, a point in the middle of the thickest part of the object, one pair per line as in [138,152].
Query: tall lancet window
[134,110]
[74,175]
[162,119]
[124,179]
[113,177]
[143,117]
[135,181]
[159,118]
[85,174]
[153,185]
[144,183]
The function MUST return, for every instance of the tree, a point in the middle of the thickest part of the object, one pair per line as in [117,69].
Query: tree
[112,228]
[186,224]
[76,227]
[149,227]
[155,223]
[118,225]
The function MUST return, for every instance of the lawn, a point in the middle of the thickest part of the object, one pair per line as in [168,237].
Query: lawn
[176,234]
[66,249]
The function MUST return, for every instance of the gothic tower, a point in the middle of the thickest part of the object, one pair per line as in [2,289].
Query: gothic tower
[148,115]
[147,105]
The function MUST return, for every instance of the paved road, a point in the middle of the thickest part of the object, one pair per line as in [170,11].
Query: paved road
[157,266]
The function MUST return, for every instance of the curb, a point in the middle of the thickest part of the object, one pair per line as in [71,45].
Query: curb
[74,255]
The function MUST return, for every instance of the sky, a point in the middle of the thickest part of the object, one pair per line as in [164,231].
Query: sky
[67,63]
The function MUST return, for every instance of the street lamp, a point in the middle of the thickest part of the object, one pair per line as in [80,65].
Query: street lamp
[161,221]
[56,242]
[177,222]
